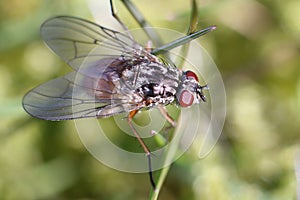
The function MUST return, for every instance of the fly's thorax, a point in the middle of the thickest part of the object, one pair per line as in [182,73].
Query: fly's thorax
[152,82]
[148,73]
[189,91]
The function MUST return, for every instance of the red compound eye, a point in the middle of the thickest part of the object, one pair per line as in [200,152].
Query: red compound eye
[186,98]
[190,74]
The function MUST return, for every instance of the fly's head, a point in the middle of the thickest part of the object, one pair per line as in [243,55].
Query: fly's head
[190,91]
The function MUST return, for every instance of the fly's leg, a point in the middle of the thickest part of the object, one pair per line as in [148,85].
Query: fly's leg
[114,14]
[146,150]
[129,120]
[137,15]
[166,115]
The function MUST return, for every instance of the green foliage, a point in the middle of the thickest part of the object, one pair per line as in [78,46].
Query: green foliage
[256,47]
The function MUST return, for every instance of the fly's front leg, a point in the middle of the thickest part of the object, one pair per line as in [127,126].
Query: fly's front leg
[164,113]
[162,139]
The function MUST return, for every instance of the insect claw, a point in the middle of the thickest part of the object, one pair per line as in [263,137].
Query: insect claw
[150,171]
[204,87]
[203,98]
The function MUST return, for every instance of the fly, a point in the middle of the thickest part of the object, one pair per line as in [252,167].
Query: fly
[116,75]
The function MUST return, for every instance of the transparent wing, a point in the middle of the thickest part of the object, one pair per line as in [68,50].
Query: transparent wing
[99,56]
[77,40]
[76,96]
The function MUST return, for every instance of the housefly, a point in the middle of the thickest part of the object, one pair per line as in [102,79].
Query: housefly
[112,74]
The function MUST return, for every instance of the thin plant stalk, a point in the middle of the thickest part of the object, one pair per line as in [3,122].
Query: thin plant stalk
[192,34]
[163,49]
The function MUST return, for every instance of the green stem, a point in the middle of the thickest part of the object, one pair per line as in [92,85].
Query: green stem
[182,40]
[162,176]
[191,35]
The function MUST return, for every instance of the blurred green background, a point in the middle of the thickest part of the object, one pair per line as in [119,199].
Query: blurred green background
[256,48]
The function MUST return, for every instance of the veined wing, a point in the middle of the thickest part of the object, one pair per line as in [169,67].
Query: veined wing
[77,40]
[91,50]
[99,55]
[76,96]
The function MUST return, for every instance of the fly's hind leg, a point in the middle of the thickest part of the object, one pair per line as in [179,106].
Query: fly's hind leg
[146,150]
[129,120]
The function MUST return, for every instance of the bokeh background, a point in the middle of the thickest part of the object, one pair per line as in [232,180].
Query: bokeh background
[256,48]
